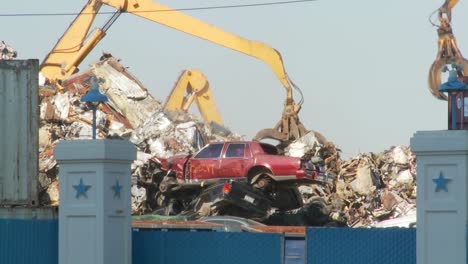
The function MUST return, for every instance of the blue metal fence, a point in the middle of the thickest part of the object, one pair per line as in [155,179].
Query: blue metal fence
[294,250]
[361,245]
[182,247]
[36,241]
[28,241]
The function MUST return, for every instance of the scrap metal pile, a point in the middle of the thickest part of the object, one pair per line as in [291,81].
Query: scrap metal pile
[6,51]
[369,187]
[131,113]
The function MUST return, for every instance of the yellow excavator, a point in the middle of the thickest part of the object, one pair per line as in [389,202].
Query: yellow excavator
[448,52]
[192,85]
[72,48]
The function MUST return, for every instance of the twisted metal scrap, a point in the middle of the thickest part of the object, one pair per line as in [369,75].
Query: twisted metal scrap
[448,52]
[7,52]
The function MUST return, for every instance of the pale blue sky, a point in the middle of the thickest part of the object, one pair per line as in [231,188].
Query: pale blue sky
[362,65]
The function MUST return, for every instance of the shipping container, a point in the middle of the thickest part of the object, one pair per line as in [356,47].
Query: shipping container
[23,212]
[19,115]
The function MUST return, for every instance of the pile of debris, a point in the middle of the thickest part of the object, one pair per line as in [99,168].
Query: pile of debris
[315,147]
[131,113]
[374,187]
[6,51]
[368,188]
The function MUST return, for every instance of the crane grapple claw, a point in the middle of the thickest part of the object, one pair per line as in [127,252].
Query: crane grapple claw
[448,52]
[287,130]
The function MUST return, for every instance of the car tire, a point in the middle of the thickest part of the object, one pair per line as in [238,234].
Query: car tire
[316,212]
[262,180]
[167,184]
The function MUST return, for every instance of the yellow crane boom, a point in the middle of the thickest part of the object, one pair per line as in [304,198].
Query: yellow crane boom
[71,49]
[193,85]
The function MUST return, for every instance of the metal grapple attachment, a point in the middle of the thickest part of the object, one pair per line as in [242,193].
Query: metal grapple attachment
[448,52]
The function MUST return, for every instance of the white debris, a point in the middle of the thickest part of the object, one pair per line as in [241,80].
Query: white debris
[42,79]
[405,177]
[185,130]
[296,149]
[142,158]
[62,105]
[122,85]
[302,145]
[7,52]
[399,155]
[138,198]
[126,94]
[158,148]
[156,125]
[363,184]
[117,128]
[408,220]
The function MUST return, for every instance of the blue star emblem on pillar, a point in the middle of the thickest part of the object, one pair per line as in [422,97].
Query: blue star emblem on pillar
[81,189]
[117,188]
[441,183]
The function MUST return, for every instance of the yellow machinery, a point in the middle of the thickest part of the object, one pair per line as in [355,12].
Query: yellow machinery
[448,51]
[193,85]
[71,49]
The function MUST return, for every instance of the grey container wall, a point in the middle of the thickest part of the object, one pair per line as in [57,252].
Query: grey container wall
[19,115]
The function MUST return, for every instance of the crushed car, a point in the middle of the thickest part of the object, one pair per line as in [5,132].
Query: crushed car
[244,178]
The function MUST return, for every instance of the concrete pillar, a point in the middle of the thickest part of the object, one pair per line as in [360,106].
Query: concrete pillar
[95,206]
[442,159]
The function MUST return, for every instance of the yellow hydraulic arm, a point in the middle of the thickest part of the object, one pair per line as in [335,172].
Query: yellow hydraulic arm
[71,49]
[193,85]
[446,9]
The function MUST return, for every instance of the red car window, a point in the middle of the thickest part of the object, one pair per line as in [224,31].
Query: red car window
[210,152]
[269,149]
[235,150]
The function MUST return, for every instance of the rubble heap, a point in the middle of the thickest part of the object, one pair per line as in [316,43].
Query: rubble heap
[374,187]
[315,147]
[6,51]
[131,113]
[368,188]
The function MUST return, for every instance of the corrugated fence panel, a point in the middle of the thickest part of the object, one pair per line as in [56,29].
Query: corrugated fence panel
[294,250]
[36,241]
[182,247]
[361,245]
[19,115]
[28,241]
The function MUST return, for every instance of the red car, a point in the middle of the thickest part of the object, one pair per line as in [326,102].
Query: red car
[199,178]
[258,163]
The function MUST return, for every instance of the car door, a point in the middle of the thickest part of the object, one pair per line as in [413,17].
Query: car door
[235,161]
[204,165]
